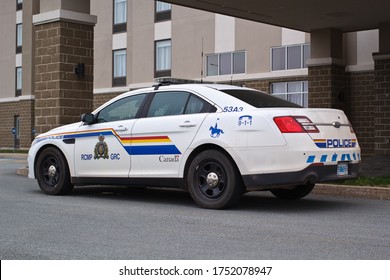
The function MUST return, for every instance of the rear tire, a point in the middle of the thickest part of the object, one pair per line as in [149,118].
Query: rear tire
[297,192]
[52,172]
[213,180]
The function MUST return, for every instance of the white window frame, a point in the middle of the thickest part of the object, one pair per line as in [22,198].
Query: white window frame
[286,94]
[120,12]
[302,58]
[232,70]
[163,6]
[163,57]
[18,81]
[119,63]
[19,37]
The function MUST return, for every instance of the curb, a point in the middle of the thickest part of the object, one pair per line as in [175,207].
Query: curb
[366,192]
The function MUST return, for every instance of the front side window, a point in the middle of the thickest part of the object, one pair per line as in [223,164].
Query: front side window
[163,11]
[124,109]
[120,15]
[18,81]
[163,58]
[296,92]
[226,63]
[19,38]
[119,67]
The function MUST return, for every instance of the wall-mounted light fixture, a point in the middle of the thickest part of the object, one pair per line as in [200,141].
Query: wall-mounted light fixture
[79,70]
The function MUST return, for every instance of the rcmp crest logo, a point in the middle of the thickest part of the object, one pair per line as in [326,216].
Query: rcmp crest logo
[101,149]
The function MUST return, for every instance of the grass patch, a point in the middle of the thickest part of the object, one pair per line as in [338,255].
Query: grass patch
[11,151]
[379,181]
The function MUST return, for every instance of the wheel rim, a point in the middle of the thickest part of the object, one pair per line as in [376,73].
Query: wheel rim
[211,179]
[50,171]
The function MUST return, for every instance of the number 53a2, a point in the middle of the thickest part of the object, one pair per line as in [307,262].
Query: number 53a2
[232,109]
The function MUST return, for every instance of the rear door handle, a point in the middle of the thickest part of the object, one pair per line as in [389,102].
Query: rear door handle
[187,124]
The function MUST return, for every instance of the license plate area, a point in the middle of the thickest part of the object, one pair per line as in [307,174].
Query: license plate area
[342,168]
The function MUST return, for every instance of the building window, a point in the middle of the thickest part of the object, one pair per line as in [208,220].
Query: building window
[162,11]
[296,92]
[19,38]
[18,81]
[120,16]
[19,5]
[226,63]
[289,57]
[119,68]
[163,60]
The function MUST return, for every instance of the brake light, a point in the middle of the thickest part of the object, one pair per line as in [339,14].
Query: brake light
[295,124]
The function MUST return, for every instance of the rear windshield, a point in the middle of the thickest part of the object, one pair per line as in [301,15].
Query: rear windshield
[259,99]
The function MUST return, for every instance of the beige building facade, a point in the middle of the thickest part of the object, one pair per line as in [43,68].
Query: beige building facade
[121,45]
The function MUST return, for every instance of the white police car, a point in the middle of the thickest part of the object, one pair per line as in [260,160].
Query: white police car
[216,141]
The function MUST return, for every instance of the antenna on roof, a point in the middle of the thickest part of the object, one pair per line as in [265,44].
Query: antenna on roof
[202,64]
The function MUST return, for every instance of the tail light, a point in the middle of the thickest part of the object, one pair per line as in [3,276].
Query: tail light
[295,124]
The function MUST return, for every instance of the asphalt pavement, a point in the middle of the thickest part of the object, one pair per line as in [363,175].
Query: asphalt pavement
[151,224]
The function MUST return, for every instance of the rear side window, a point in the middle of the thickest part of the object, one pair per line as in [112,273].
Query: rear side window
[171,103]
[259,99]
[168,104]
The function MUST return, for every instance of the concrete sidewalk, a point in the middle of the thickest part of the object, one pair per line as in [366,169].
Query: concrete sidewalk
[373,166]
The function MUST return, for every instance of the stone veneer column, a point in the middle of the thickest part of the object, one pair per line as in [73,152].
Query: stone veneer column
[63,39]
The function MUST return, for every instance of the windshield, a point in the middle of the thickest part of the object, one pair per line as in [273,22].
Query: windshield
[259,99]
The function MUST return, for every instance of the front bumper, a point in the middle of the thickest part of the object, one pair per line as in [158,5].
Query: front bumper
[312,174]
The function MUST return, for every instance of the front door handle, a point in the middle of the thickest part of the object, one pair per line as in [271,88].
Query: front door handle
[121,128]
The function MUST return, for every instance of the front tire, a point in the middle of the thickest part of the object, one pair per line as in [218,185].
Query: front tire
[52,172]
[297,192]
[213,180]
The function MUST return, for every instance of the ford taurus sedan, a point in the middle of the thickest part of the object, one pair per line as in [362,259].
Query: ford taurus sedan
[216,141]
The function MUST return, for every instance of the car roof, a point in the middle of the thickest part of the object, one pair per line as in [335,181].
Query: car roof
[212,92]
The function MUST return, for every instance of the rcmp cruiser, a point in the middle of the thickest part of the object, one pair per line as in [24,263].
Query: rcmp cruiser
[216,141]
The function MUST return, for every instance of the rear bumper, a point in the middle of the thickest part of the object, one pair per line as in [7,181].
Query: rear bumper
[311,174]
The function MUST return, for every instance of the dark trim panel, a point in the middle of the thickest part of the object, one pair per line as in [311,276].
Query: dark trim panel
[132,182]
[69,141]
[162,16]
[312,174]
[118,28]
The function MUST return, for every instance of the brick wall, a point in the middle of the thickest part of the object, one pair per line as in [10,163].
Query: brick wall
[25,110]
[360,108]
[100,99]
[382,105]
[327,86]
[61,96]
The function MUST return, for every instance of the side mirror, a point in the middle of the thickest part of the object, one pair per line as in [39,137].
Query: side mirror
[87,118]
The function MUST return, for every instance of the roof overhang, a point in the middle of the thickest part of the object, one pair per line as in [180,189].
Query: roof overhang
[303,15]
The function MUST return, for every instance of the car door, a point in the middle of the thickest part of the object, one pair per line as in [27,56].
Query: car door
[161,138]
[102,149]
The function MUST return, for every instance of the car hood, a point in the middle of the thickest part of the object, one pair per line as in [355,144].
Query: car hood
[61,129]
